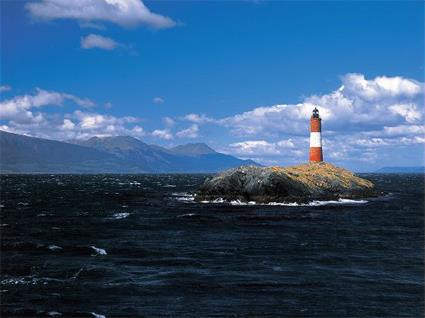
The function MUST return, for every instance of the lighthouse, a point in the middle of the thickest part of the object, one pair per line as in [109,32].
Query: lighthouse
[316,154]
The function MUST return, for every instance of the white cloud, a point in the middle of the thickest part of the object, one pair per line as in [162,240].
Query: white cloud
[261,148]
[92,121]
[93,41]
[256,147]
[158,100]
[396,101]
[67,124]
[198,119]
[191,132]
[380,87]
[162,134]
[5,88]
[410,112]
[404,130]
[18,115]
[83,125]
[18,108]
[122,12]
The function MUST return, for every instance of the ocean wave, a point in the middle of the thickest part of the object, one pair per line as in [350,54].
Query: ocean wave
[339,201]
[183,196]
[54,247]
[120,215]
[187,197]
[186,215]
[97,315]
[294,204]
[99,251]
[28,280]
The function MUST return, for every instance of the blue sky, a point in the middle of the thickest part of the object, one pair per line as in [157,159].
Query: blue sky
[239,75]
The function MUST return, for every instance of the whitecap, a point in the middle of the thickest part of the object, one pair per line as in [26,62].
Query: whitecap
[169,186]
[21,281]
[97,315]
[54,313]
[121,215]
[312,203]
[183,196]
[54,247]
[339,201]
[99,251]
[186,215]
[238,202]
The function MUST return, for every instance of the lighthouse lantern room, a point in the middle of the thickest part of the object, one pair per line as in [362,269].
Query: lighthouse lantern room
[316,154]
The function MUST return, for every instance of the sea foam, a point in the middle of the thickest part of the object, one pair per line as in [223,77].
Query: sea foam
[294,204]
[121,215]
[99,251]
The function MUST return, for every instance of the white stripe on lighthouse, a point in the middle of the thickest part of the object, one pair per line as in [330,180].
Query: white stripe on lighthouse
[315,139]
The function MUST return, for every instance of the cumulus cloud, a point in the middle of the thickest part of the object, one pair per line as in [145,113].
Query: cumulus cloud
[77,125]
[21,115]
[121,12]
[191,132]
[18,108]
[158,100]
[380,87]
[67,125]
[359,104]
[93,41]
[259,148]
[95,120]
[162,134]
[198,119]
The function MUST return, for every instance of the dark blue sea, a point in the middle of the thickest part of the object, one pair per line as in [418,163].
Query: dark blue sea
[139,246]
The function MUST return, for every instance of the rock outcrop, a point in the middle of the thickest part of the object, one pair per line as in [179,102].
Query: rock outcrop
[303,183]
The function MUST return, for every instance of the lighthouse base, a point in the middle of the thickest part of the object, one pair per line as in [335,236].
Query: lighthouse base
[316,154]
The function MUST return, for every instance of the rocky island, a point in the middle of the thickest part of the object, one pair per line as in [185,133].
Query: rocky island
[302,183]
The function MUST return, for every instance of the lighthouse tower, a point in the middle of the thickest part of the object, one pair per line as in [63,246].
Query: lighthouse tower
[316,154]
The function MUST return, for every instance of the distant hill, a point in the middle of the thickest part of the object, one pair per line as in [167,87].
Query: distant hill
[401,170]
[24,154]
[196,149]
[122,154]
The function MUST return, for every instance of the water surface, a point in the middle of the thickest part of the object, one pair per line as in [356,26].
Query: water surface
[138,245]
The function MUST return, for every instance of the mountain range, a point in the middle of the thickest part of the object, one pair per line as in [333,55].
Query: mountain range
[418,169]
[121,154]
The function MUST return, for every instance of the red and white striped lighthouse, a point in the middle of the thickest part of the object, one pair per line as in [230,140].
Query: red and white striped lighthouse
[316,154]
